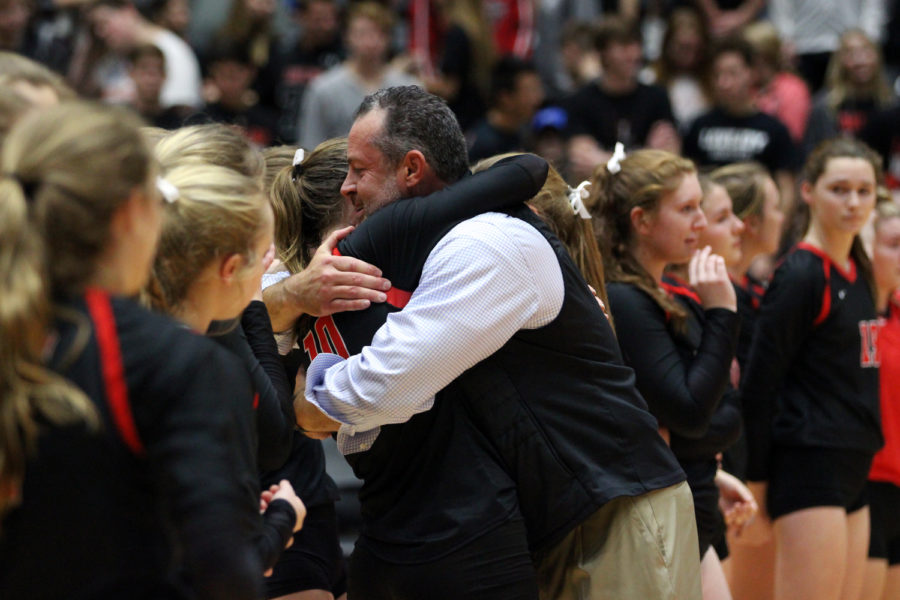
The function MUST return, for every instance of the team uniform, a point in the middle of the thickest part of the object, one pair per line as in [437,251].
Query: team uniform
[884,478]
[523,454]
[314,560]
[123,510]
[684,377]
[810,390]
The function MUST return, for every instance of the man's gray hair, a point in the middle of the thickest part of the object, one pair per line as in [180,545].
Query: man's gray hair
[417,120]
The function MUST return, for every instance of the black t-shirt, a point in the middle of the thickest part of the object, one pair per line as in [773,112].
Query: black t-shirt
[485,140]
[812,376]
[717,138]
[625,118]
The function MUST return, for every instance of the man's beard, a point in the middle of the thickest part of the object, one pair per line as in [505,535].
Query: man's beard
[389,192]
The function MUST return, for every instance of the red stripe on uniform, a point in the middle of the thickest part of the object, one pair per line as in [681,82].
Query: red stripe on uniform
[397,297]
[848,275]
[680,290]
[255,401]
[101,313]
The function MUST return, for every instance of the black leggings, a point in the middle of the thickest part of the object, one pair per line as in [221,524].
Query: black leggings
[496,565]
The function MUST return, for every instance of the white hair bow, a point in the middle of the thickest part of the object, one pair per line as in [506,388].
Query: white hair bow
[167,189]
[614,164]
[577,196]
[298,157]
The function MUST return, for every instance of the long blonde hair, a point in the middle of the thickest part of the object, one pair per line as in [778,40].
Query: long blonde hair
[645,177]
[838,80]
[64,173]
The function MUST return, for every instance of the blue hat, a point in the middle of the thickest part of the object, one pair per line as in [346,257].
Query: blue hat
[552,117]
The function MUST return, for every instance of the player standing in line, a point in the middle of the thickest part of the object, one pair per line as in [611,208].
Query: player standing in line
[810,390]
[679,339]
[882,581]
[755,200]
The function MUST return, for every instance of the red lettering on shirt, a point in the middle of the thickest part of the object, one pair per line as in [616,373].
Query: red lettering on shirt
[325,337]
[868,343]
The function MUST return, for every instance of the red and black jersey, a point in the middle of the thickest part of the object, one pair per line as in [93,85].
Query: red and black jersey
[812,376]
[115,512]
[886,465]
[684,373]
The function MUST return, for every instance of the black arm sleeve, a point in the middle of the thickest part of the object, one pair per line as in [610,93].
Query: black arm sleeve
[274,429]
[682,396]
[785,319]
[258,329]
[406,225]
[278,527]
[724,430]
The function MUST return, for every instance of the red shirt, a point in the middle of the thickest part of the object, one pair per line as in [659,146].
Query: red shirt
[886,466]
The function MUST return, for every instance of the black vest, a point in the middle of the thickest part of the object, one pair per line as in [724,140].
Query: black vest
[551,425]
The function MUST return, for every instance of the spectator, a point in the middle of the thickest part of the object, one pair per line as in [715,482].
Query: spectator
[249,25]
[780,93]
[548,137]
[856,89]
[231,73]
[14,16]
[811,29]
[682,66]
[122,28]
[463,73]
[148,72]
[565,36]
[728,17]
[580,59]
[516,94]
[616,107]
[318,49]
[735,130]
[174,15]
[331,100]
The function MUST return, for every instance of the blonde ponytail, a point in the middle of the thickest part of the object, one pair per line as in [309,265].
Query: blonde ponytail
[63,173]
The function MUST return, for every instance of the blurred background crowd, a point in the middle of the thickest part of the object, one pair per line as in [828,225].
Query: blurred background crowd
[717,80]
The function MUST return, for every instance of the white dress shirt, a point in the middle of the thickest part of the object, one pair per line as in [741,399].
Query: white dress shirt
[485,280]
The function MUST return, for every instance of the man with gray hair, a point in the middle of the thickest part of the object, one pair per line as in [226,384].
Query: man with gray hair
[492,419]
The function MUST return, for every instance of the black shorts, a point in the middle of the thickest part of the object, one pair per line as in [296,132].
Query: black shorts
[884,510]
[803,477]
[701,476]
[314,561]
[496,565]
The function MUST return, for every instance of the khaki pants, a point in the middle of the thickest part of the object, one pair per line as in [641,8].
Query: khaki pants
[641,548]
